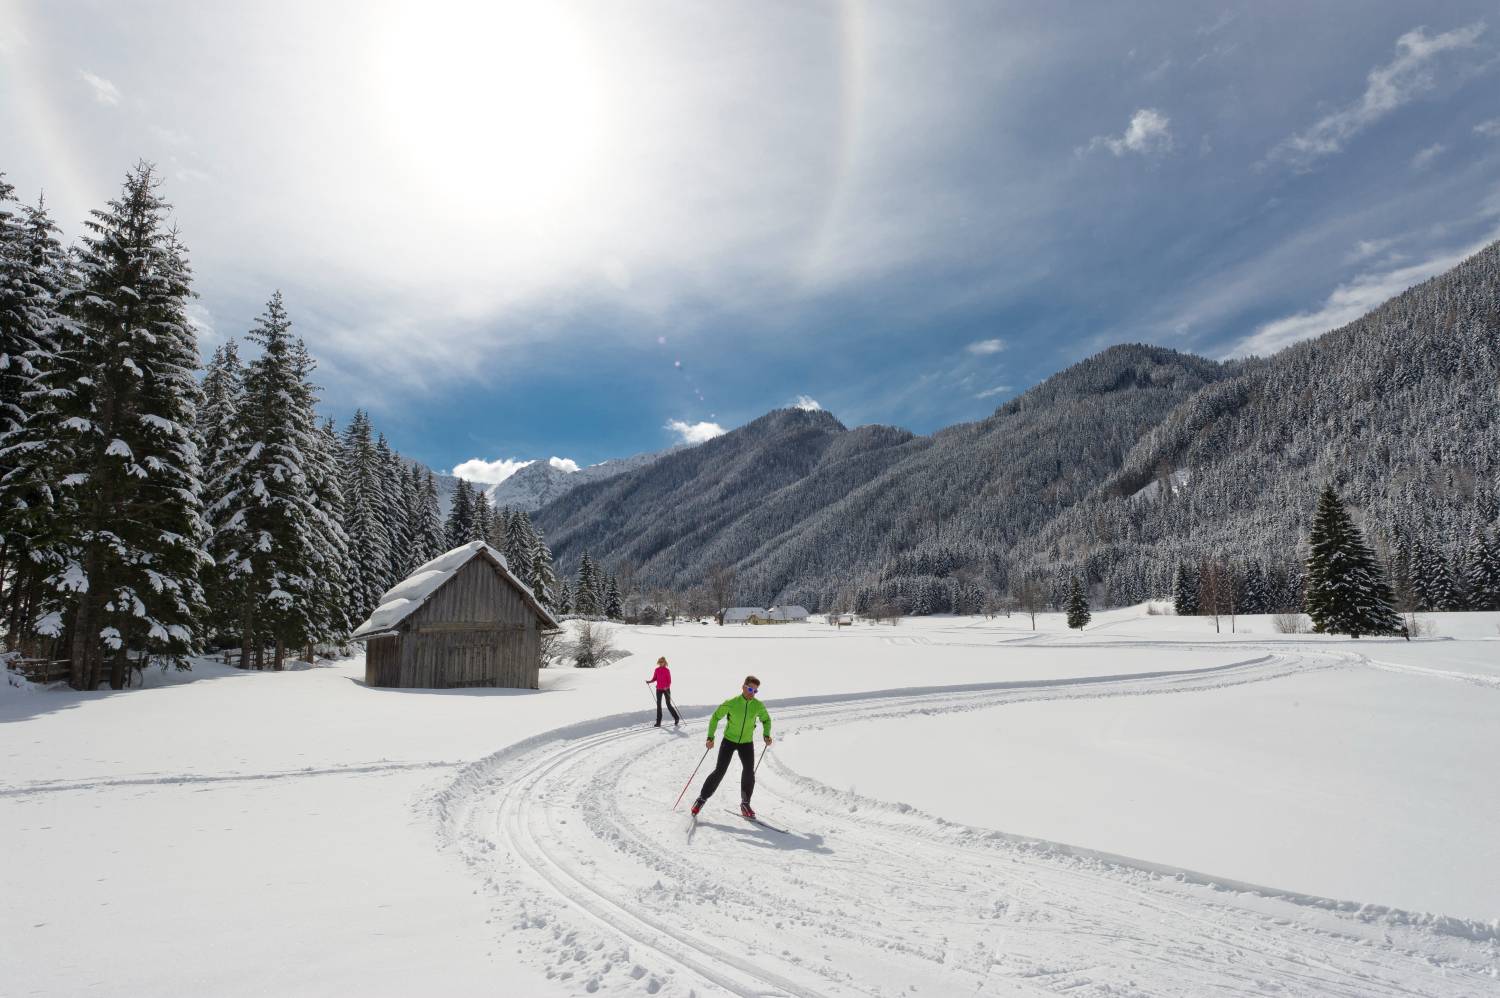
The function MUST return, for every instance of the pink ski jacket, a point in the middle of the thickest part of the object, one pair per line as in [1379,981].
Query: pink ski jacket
[662,677]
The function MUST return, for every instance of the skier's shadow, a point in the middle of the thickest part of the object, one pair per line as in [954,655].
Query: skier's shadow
[765,838]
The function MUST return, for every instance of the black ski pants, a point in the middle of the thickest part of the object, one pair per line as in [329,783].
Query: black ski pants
[667,694]
[727,749]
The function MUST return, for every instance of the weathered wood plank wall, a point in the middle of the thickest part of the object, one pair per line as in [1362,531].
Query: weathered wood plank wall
[383,661]
[474,631]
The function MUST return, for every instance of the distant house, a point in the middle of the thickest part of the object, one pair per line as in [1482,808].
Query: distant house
[787,614]
[460,620]
[745,615]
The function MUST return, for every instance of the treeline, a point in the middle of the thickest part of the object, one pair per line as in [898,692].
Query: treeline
[145,514]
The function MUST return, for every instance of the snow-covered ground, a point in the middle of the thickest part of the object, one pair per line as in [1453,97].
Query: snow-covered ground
[298,833]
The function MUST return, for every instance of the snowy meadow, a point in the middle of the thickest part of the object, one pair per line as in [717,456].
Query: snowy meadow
[960,805]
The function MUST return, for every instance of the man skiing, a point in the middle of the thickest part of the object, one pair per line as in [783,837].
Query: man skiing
[740,714]
[662,677]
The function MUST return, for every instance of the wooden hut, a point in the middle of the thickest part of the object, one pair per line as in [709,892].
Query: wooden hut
[460,620]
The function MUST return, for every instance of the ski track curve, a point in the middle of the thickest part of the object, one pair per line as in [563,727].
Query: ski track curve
[594,880]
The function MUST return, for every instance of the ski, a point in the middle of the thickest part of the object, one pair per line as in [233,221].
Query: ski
[757,821]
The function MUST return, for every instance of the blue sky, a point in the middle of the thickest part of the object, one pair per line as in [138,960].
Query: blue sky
[513,231]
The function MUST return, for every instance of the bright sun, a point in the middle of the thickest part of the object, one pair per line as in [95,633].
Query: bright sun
[498,104]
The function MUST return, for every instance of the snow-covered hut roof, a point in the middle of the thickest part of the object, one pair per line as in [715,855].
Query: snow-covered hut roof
[735,614]
[788,612]
[407,596]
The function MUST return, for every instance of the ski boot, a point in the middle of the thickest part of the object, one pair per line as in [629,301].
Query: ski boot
[746,811]
[697,806]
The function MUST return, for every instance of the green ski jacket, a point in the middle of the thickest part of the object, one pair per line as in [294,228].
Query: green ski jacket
[740,714]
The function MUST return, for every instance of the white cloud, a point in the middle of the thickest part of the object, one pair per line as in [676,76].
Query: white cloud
[985,347]
[1348,302]
[476,469]
[1489,129]
[992,392]
[1387,88]
[1423,159]
[807,404]
[105,92]
[563,464]
[1366,248]
[1147,133]
[695,433]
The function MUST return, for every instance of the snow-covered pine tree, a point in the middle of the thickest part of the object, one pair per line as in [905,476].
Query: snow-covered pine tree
[543,576]
[394,515]
[1433,580]
[1254,595]
[270,539]
[500,530]
[121,404]
[484,516]
[1346,590]
[331,552]
[460,523]
[521,544]
[564,602]
[364,525]
[585,593]
[410,477]
[1482,571]
[1078,606]
[219,433]
[430,538]
[613,605]
[1185,590]
[33,273]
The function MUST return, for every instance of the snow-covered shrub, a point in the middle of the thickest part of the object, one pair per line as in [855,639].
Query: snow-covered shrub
[593,647]
[552,647]
[1291,623]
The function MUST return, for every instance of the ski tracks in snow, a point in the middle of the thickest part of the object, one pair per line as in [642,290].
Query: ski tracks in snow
[598,883]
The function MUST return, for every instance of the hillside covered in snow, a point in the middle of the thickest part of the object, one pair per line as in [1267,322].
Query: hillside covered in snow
[1400,409]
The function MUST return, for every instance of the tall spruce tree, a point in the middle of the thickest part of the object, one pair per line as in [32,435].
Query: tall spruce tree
[1078,606]
[429,536]
[331,554]
[219,434]
[394,514]
[564,602]
[460,526]
[613,606]
[586,592]
[33,273]
[1433,580]
[543,576]
[520,545]
[1185,590]
[1346,590]
[484,517]
[271,539]
[1482,571]
[364,521]
[119,438]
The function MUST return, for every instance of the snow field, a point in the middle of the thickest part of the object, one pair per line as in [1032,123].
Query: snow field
[298,833]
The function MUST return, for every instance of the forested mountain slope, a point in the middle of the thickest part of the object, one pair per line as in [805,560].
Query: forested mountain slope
[1400,409]
[807,509]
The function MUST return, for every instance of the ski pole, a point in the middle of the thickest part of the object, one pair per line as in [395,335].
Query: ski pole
[690,778]
[762,759]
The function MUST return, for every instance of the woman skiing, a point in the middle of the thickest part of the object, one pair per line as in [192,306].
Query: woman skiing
[662,677]
[740,712]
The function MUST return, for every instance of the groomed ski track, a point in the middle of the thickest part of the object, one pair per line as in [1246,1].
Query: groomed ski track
[597,882]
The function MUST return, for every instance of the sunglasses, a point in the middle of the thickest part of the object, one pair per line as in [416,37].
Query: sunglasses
[752,689]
